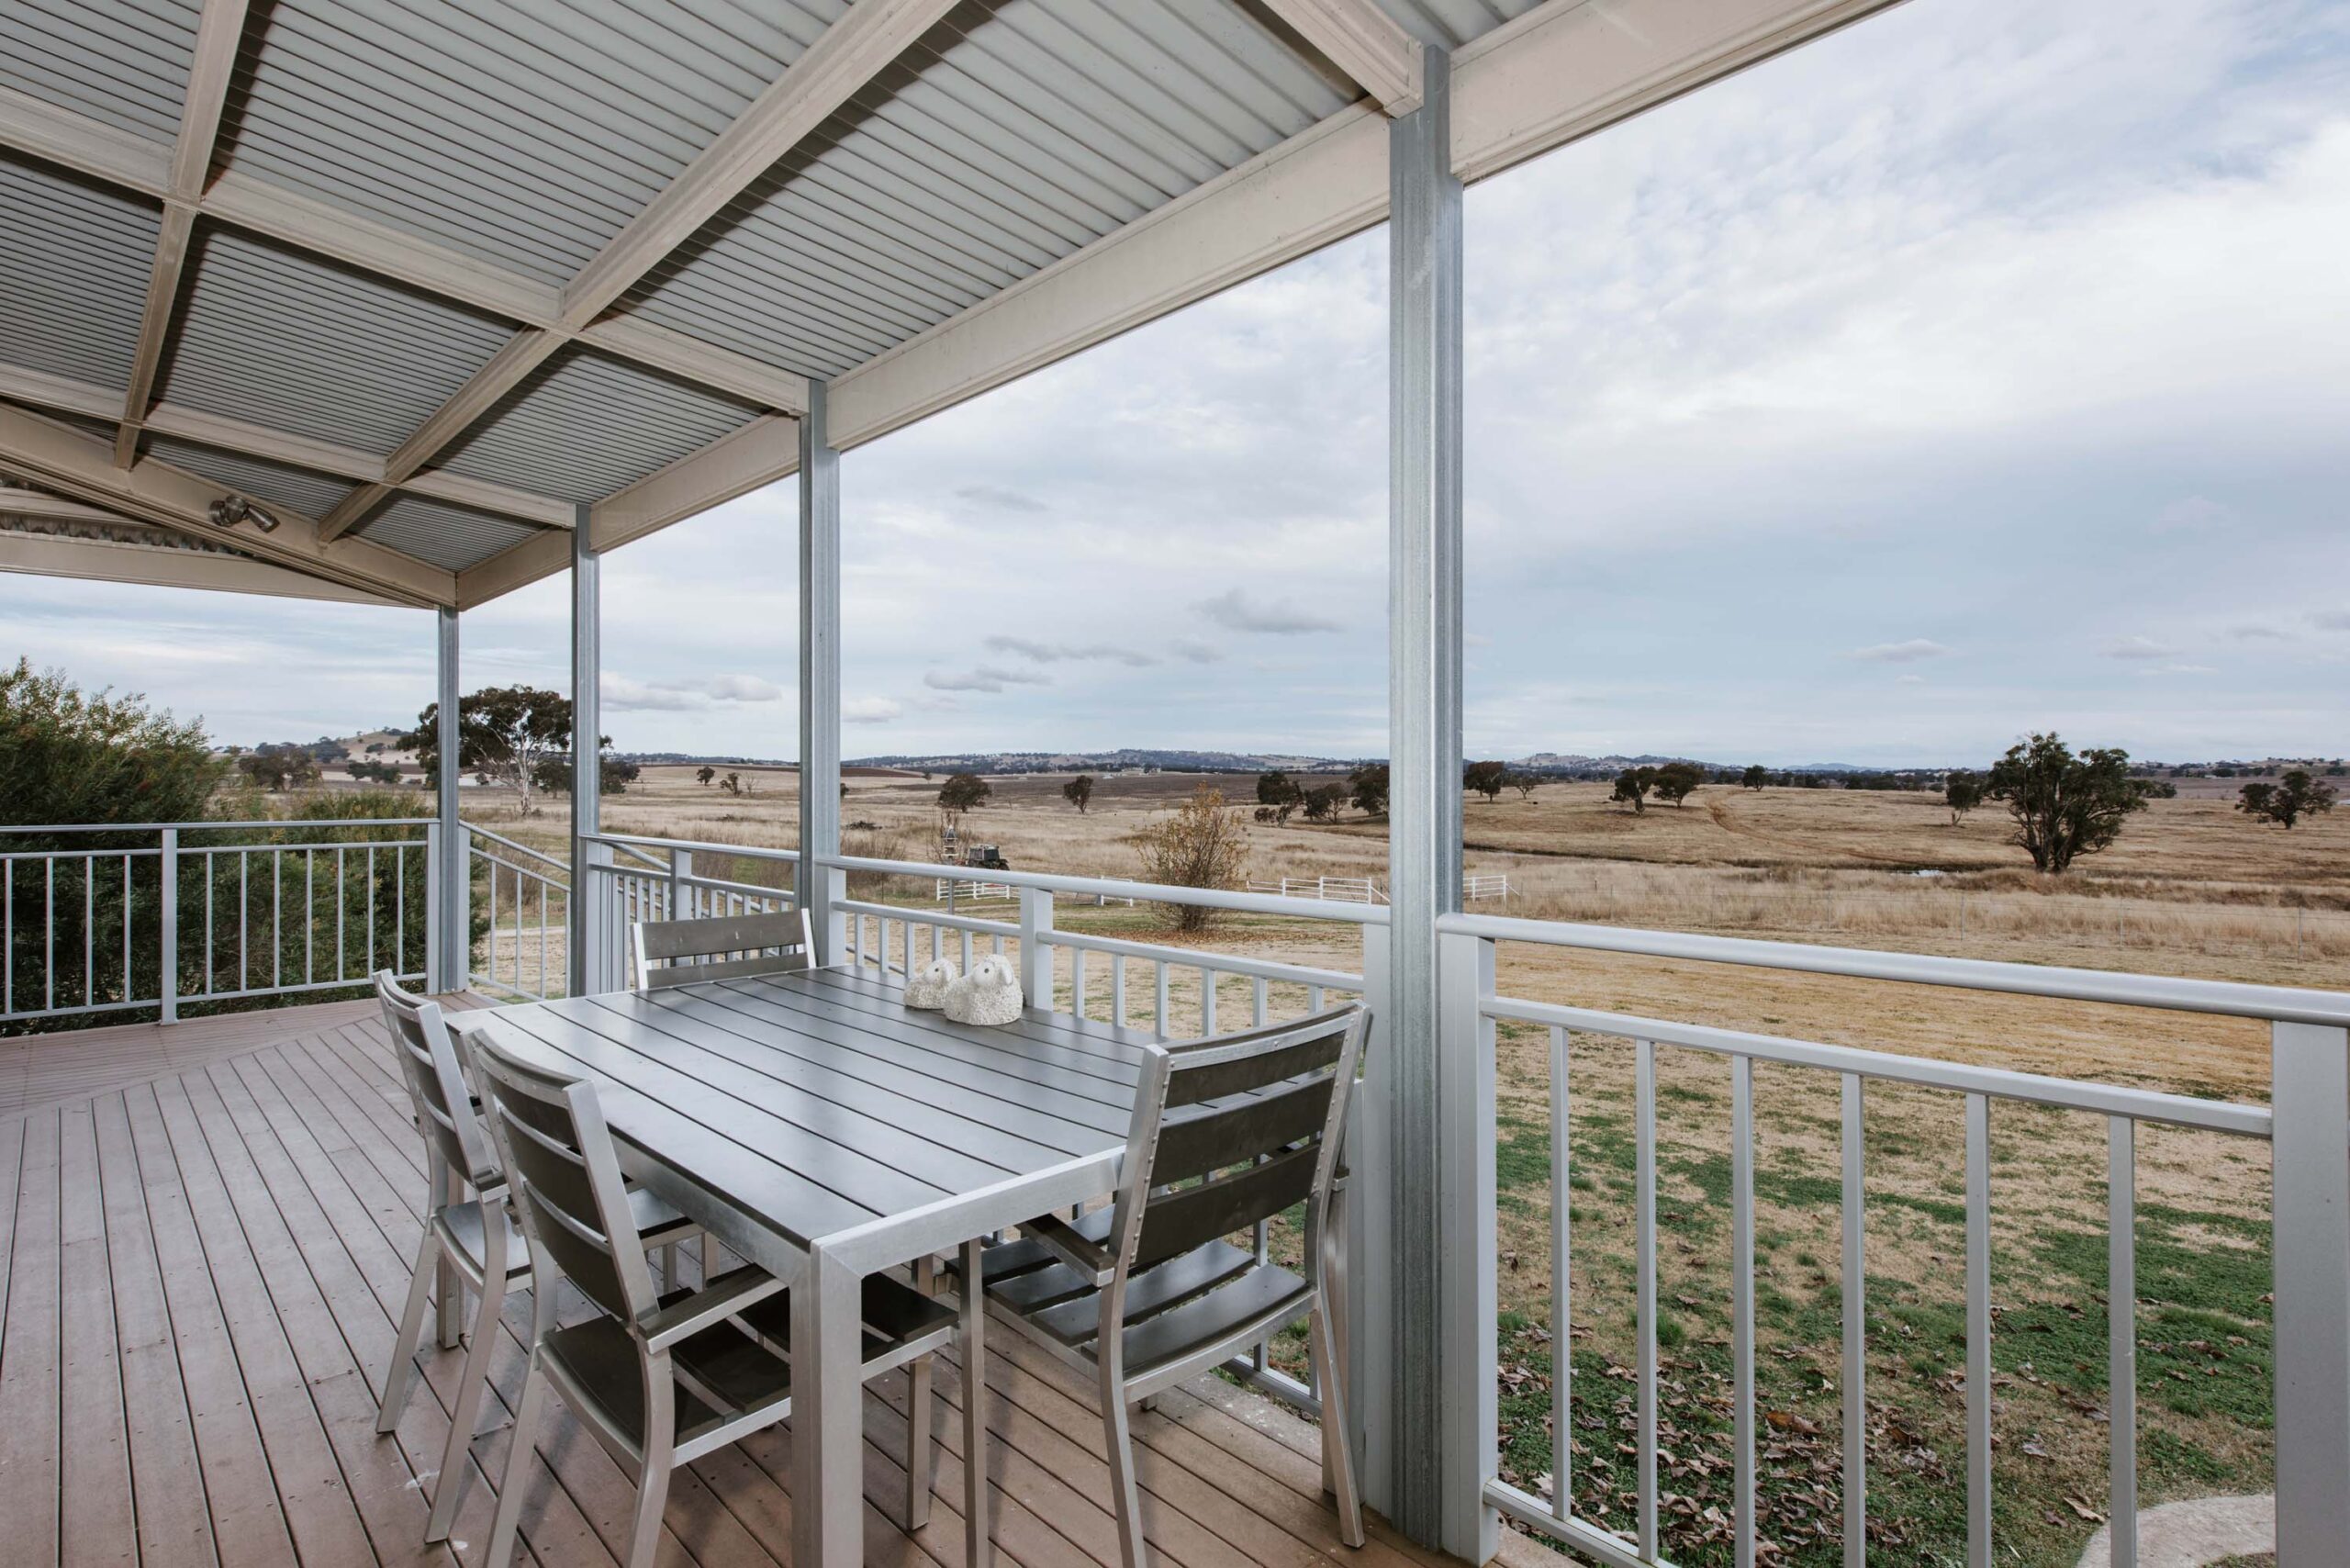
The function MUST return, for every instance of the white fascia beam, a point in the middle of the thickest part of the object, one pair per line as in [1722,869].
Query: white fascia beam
[92,401]
[1557,73]
[61,458]
[242,201]
[107,561]
[217,33]
[849,54]
[1365,42]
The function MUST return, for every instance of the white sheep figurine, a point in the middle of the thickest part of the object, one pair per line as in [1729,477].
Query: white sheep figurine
[989,994]
[926,988]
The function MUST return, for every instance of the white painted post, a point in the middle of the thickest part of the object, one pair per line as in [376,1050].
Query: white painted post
[168,956]
[1036,953]
[1467,1212]
[2309,1098]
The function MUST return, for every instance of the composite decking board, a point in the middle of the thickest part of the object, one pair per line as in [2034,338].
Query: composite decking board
[265,1206]
[988,1060]
[756,1044]
[29,1359]
[73,1065]
[673,1109]
[96,1522]
[897,1161]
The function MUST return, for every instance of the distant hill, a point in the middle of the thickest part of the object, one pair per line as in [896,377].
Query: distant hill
[1132,760]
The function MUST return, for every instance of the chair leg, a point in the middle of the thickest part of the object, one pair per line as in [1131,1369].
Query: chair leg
[452,1287]
[651,1496]
[1125,1494]
[518,1465]
[401,1373]
[470,1383]
[669,1266]
[1337,1444]
[708,1257]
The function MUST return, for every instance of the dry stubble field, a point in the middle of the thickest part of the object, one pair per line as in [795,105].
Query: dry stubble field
[2193,888]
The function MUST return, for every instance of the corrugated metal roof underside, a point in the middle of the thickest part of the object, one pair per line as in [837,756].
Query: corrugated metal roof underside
[277,339]
[987,154]
[452,538]
[273,484]
[583,426]
[524,133]
[124,64]
[74,265]
[1454,22]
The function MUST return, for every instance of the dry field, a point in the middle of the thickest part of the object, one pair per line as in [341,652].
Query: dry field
[2193,888]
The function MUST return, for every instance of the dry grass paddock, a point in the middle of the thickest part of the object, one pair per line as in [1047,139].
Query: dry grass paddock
[2192,887]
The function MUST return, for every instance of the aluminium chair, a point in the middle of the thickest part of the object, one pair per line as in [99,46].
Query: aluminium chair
[470,1243]
[726,946]
[1148,1293]
[660,1380]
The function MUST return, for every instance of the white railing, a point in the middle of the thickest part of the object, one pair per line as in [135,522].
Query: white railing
[1340,889]
[525,916]
[172,913]
[954,889]
[635,877]
[1485,889]
[2306,1128]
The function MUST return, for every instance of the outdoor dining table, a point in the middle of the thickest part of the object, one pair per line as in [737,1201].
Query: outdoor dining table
[826,1131]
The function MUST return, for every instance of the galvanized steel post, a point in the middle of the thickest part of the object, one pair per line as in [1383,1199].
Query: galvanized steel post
[583,967]
[1424,799]
[820,671]
[448,890]
[2309,1098]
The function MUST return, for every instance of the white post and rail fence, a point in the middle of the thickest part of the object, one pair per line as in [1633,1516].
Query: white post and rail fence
[159,916]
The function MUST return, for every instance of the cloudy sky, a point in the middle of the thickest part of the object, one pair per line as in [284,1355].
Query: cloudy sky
[1984,367]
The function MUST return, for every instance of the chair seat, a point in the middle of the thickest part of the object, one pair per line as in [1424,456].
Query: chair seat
[658,1225]
[899,1320]
[598,1363]
[1172,1309]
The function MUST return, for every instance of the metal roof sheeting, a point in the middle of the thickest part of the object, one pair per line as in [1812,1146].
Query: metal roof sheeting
[73,264]
[988,154]
[1452,22]
[281,339]
[452,538]
[273,484]
[527,132]
[584,425]
[124,64]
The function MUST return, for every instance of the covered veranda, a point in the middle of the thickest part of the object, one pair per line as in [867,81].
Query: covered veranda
[417,303]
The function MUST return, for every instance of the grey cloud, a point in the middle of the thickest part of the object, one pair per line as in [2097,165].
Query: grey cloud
[998,497]
[1909,653]
[626,694]
[1236,610]
[2331,620]
[987,678]
[1190,650]
[2135,647]
[1054,653]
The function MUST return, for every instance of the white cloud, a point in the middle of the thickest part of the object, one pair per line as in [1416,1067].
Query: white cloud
[625,694]
[2257,631]
[1054,653]
[1909,653]
[870,710]
[1909,680]
[2178,669]
[2135,647]
[1236,610]
[987,678]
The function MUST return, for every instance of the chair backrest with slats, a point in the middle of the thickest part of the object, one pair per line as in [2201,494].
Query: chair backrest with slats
[679,952]
[1234,1130]
[563,1176]
[436,1084]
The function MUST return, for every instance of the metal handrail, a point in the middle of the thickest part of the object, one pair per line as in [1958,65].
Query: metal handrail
[1142,893]
[2170,993]
[539,855]
[207,826]
[1193,957]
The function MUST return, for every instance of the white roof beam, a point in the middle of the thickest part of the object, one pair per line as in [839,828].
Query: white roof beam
[1365,42]
[850,53]
[278,447]
[61,458]
[217,33]
[242,201]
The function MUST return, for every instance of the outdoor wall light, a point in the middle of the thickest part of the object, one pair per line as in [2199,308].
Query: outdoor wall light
[230,510]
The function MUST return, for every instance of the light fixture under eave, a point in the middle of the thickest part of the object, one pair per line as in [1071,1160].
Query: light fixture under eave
[230,510]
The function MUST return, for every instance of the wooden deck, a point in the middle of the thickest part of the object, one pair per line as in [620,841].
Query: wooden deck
[201,1269]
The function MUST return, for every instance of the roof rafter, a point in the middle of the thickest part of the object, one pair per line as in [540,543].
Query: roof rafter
[61,458]
[848,54]
[172,419]
[1365,42]
[97,557]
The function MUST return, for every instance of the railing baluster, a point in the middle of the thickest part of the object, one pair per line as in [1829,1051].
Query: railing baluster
[399,910]
[244,916]
[210,899]
[1856,1293]
[1077,982]
[276,917]
[2122,1331]
[1978,1331]
[371,909]
[1741,1285]
[966,952]
[130,987]
[1262,1015]
[1118,990]
[342,898]
[1644,1264]
[1208,1001]
[309,914]
[8,935]
[1562,1360]
[1158,1019]
[89,929]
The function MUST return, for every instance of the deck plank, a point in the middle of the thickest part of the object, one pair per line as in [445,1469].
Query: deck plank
[201,1270]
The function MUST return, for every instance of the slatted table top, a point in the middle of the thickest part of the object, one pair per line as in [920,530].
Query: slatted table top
[784,1110]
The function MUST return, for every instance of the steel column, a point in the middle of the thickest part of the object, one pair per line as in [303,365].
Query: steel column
[819,666]
[1424,804]
[2310,1095]
[587,777]
[450,962]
